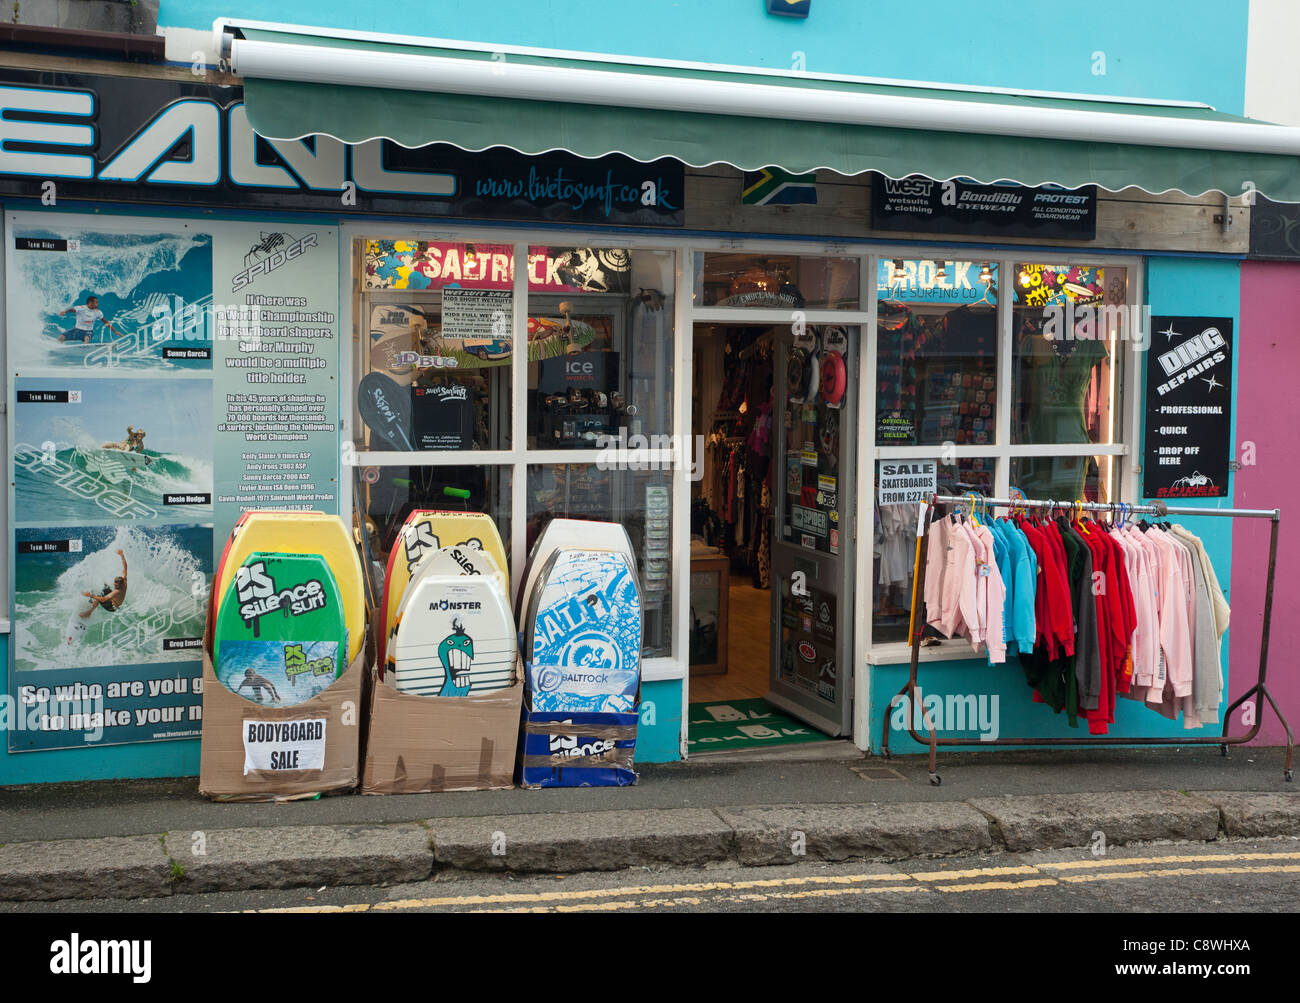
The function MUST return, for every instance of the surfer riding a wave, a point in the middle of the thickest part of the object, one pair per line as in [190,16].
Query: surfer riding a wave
[86,317]
[111,598]
[133,443]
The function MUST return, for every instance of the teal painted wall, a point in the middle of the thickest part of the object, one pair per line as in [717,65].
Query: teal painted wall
[658,736]
[1175,286]
[1194,50]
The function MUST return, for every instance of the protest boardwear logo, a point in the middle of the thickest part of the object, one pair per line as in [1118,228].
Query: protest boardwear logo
[419,540]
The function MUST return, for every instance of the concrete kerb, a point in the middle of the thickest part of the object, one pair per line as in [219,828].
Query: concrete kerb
[246,859]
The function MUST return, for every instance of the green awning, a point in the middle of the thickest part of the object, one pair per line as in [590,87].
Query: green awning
[297,85]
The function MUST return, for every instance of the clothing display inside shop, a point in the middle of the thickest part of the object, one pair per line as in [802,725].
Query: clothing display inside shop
[732,513]
[1093,610]
[936,374]
[1060,398]
[736,487]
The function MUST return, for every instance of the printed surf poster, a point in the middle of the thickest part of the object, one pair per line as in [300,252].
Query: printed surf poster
[88,449]
[107,625]
[163,376]
[82,298]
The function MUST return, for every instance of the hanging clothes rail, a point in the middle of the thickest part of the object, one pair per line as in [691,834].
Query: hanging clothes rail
[1158,509]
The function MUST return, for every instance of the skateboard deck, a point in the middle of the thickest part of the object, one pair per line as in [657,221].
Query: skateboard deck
[281,635]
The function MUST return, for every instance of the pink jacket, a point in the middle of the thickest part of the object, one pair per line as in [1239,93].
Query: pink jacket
[1175,632]
[992,591]
[950,604]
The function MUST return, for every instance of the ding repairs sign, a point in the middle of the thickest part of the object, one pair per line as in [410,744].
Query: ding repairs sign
[284,745]
[899,482]
[1189,408]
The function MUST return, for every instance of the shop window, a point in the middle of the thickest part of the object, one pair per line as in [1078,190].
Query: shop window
[1066,478]
[1071,330]
[777,281]
[388,494]
[600,347]
[641,501]
[936,354]
[894,545]
[433,345]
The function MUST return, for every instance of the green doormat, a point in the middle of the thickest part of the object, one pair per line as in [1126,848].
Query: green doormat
[744,724]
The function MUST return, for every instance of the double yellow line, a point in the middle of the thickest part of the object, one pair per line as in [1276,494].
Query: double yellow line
[1013,877]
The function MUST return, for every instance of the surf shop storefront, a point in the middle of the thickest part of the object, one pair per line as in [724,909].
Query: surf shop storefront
[749,369]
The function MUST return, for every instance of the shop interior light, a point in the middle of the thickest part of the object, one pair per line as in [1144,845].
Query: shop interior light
[941,272]
[898,266]
[986,276]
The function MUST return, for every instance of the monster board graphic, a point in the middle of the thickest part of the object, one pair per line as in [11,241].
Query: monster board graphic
[584,633]
[424,531]
[560,534]
[454,636]
[303,533]
[281,634]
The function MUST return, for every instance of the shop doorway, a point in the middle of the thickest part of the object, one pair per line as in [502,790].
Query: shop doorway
[754,668]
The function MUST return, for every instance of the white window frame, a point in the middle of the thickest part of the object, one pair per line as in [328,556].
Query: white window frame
[1126,424]
[685,316]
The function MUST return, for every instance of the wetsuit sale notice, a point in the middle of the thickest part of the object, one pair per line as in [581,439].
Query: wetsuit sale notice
[1188,408]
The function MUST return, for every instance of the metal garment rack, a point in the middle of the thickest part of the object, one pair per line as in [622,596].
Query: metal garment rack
[1158,509]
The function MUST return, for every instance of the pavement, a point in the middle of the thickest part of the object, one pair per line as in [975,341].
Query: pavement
[153,839]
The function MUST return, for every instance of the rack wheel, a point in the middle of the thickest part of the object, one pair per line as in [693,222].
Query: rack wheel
[1288,776]
[1223,751]
[935,780]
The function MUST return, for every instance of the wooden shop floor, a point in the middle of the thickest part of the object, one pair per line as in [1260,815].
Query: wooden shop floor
[748,648]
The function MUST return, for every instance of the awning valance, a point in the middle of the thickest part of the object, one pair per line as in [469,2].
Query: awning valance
[298,82]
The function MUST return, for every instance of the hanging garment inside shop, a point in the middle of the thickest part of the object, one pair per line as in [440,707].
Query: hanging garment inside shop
[1094,610]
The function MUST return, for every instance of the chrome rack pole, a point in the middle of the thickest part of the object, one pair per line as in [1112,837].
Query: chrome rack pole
[1158,509]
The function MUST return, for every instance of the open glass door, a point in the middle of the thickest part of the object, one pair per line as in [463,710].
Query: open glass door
[814,435]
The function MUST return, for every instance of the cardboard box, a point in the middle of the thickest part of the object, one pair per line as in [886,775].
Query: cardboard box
[577,749]
[421,744]
[236,755]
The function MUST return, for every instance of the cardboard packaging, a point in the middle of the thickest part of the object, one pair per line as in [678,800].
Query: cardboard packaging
[577,749]
[424,744]
[241,749]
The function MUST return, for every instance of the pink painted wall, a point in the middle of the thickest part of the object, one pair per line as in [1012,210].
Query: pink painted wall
[1268,402]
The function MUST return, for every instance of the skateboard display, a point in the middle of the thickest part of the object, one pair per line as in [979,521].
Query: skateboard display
[281,633]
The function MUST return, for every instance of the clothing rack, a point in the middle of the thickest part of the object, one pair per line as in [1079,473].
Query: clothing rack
[1160,510]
